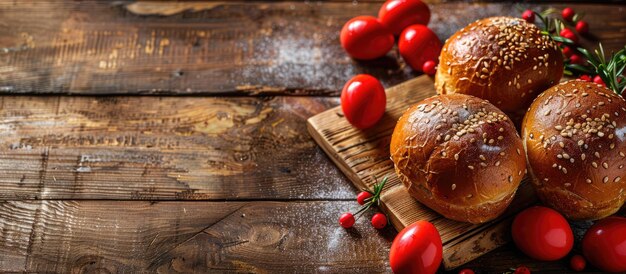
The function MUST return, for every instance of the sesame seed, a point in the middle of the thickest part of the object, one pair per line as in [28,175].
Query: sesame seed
[617,179]
[606,179]
[565,156]
[597,154]
[482,157]
[594,164]
[605,165]
[443,153]
[510,179]
[583,156]
[588,181]
[497,163]
[561,144]
[456,156]
[518,152]
[600,133]
[453,186]
[470,167]
[567,184]
[564,170]
[482,164]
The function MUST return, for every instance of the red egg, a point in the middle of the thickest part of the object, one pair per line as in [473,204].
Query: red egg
[604,244]
[364,37]
[363,101]
[542,233]
[416,249]
[419,44]
[399,14]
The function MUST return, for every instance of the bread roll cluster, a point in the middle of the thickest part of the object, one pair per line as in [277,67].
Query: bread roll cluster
[459,152]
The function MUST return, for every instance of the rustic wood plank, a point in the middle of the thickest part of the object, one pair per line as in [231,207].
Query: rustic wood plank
[185,237]
[155,148]
[85,47]
[363,155]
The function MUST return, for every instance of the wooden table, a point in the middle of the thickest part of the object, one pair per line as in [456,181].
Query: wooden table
[211,170]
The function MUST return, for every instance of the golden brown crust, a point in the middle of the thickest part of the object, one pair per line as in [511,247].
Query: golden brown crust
[500,59]
[574,135]
[458,155]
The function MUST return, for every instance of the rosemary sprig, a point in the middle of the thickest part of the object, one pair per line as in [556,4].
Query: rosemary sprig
[552,26]
[610,70]
[375,199]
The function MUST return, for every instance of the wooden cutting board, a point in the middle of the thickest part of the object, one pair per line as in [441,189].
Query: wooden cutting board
[363,156]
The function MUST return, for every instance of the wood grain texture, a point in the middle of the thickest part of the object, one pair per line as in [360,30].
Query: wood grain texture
[85,47]
[200,237]
[186,237]
[363,155]
[164,148]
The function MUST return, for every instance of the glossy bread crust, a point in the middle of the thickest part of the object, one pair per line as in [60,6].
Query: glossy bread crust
[574,135]
[504,60]
[459,155]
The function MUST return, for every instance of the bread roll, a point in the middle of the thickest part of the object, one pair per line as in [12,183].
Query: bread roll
[574,139]
[500,59]
[458,155]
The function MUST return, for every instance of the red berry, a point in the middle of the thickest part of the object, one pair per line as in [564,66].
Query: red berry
[598,80]
[585,77]
[577,263]
[582,27]
[522,270]
[529,16]
[362,196]
[575,59]
[466,271]
[569,34]
[379,220]
[429,67]
[346,220]
[568,14]
[364,37]
[567,51]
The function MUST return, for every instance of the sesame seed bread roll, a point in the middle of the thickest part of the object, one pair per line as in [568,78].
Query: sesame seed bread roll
[574,136]
[504,60]
[459,155]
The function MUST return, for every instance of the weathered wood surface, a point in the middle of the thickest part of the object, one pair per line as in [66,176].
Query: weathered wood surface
[171,148]
[186,237]
[84,47]
[363,156]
